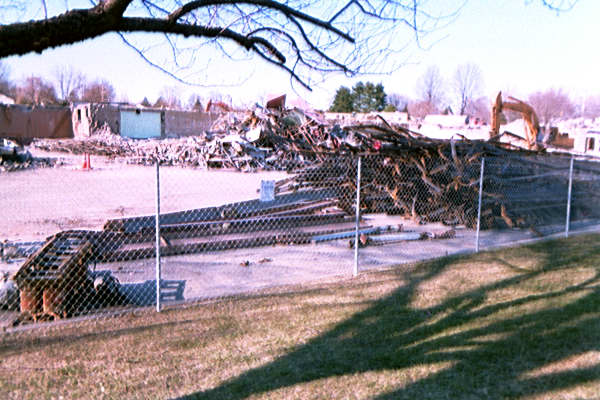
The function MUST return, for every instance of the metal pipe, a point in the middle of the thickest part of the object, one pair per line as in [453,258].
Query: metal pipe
[479,205]
[356,234]
[567,223]
[344,235]
[157,226]
[404,236]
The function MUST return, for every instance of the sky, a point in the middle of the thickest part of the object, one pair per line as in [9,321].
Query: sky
[520,46]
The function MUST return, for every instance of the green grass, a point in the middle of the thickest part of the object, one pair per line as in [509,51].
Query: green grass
[520,323]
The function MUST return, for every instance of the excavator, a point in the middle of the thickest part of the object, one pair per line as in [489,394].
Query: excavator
[529,115]
[217,104]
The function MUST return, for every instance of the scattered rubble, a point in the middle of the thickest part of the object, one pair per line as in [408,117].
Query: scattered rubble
[14,157]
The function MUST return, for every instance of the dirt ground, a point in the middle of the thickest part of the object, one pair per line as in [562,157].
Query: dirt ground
[40,202]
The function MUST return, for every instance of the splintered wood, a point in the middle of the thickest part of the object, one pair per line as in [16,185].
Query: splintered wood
[431,180]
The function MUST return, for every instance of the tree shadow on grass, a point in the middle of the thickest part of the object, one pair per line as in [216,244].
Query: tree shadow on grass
[492,350]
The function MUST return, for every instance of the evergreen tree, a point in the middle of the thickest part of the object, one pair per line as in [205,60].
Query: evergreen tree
[197,105]
[343,101]
[364,97]
[368,97]
[160,103]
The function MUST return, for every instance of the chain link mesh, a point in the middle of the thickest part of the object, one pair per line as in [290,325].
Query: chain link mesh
[73,269]
[83,244]
[420,206]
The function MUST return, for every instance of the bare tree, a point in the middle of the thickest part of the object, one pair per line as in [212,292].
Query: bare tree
[551,105]
[298,36]
[559,5]
[479,109]
[217,96]
[399,101]
[6,87]
[123,98]
[145,102]
[467,84]
[69,83]
[591,107]
[100,91]
[195,103]
[170,96]
[421,109]
[36,91]
[430,87]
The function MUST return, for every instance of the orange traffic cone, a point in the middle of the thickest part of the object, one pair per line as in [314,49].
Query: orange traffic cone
[86,163]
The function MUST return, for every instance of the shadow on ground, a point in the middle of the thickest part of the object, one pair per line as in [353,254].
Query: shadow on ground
[491,350]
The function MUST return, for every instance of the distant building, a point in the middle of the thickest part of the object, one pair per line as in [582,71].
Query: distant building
[446,120]
[391,117]
[139,122]
[588,143]
[24,123]
[6,100]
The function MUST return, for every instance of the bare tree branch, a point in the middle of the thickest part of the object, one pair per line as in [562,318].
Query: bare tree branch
[560,5]
[45,9]
[262,3]
[298,36]
[153,25]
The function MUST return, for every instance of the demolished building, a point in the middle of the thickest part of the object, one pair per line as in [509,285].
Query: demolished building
[139,122]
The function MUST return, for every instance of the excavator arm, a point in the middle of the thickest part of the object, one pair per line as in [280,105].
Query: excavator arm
[527,112]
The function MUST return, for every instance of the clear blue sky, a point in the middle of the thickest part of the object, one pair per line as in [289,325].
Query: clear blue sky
[520,46]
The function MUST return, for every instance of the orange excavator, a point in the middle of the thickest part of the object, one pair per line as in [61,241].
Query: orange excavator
[529,115]
[218,105]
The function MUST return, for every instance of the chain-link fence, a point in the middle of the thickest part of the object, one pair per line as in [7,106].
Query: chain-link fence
[82,245]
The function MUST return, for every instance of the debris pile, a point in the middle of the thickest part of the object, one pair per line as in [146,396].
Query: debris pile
[274,140]
[13,158]
[53,281]
[430,180]
[402,173]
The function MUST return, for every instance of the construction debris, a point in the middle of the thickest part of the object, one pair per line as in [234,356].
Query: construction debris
[271,140]
[53,281]
[9,294]
[14,157]
[403,173]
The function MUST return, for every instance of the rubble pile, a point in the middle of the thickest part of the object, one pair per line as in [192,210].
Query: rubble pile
[33,162]
[431,180]
[105,144]
[273,140]
[56,280]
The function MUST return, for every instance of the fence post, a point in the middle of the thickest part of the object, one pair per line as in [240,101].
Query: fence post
[567,223]
[355,271]
[479,205]
[157,229]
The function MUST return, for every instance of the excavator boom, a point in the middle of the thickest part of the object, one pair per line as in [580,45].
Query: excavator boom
[526,111]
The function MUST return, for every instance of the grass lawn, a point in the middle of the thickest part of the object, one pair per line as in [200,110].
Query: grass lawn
[520,323]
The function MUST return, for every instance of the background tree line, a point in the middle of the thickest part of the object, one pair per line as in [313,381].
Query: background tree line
[68,85]
[461,94]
